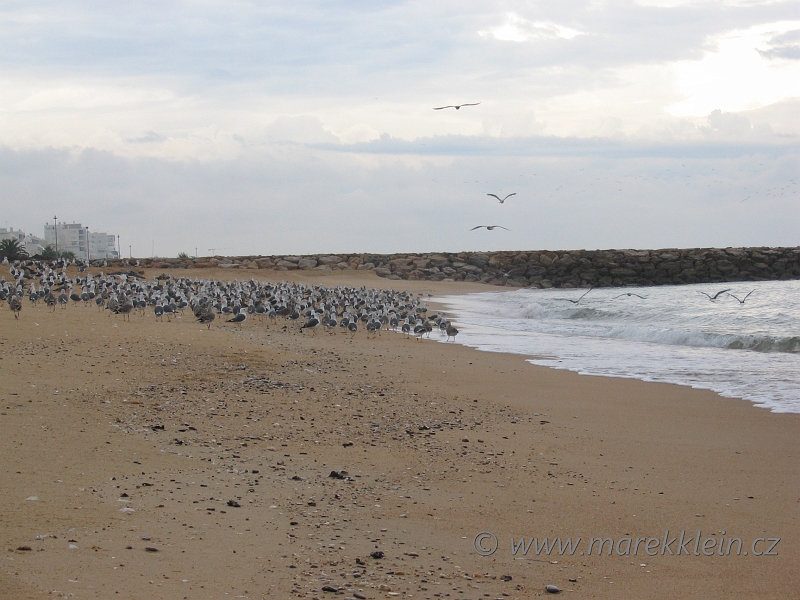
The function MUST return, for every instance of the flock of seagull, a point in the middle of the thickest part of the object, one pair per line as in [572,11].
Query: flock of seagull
[711,297]
[126,293]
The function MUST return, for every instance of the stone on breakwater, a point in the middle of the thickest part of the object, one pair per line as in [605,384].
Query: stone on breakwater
[329,260]
[307,263]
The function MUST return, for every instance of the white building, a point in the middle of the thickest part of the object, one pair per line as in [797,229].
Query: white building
[12,234]
[75,238]
[102,245]
[68,237]
[33,245]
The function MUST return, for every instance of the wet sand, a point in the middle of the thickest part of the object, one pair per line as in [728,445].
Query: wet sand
[215,449]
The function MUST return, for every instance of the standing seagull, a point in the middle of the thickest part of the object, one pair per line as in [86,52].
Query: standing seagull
[451,332]
[490,227]
[15,305]
[238,318]
[456,106]
[311,324]
[502,199]
[125,309]
[206,315]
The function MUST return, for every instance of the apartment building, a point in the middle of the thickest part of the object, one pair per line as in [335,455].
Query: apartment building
[75,238]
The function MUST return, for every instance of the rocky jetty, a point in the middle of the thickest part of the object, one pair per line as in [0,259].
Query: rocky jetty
[541,269]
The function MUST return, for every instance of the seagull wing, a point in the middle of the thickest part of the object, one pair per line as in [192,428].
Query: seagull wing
[469,104]
[501,227]
[495,196]
[509,196]
[478,227]
[748,293]
[720,292]
[443,107]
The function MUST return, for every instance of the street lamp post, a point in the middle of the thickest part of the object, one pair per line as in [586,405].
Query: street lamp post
[55,230]
[87,245]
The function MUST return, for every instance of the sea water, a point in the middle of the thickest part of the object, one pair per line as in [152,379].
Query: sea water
[672,334]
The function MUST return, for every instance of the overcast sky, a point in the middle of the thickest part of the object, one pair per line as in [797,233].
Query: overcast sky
[275,128]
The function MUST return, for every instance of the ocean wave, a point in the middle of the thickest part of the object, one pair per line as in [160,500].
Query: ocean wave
[674,335]
[699,339]
[670,315]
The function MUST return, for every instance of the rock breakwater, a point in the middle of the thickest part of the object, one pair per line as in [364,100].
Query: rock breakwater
[541,269]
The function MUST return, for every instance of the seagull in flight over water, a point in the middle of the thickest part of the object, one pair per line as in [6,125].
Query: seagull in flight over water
[630,294]
[579,299]
[489,227]
[502,199]
[717,295]
[456,106]
[741,301]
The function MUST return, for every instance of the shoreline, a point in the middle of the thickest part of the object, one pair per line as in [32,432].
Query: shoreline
[587,456]
[495,324]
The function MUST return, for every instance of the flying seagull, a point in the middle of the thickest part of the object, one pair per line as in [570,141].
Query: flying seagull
[456,106]
[579,299]
[489,227]
[502,199]
[717,295]
[629,294]
[743,299]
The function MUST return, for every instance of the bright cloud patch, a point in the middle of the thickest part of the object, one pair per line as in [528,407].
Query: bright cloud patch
[748,69]
[517,29]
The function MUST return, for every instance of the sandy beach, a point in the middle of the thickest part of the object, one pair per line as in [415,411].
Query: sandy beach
[150,459]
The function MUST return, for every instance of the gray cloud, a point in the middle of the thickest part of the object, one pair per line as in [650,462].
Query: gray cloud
[300,129]
[786,45]
[148,138]
[351,47]
[552,146]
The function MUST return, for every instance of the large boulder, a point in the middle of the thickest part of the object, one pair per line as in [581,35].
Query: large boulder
[306,263]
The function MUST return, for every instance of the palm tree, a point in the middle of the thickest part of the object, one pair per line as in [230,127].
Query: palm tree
[12,250]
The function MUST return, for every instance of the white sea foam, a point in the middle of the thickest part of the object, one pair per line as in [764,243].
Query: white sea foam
[674,335]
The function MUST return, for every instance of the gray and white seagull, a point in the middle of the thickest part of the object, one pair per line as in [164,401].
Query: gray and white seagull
[456,106]
[490,227]
[502,199]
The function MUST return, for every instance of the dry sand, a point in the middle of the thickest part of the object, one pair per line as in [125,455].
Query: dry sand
[140,434]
